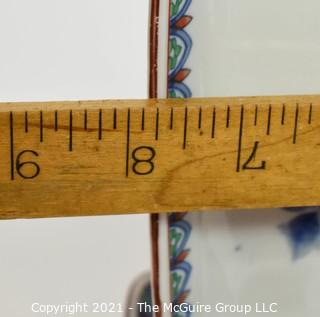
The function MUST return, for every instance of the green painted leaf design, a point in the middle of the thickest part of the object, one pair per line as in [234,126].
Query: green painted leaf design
[176,280]
[174,52]
[172,94]
[175,6]
[175,238]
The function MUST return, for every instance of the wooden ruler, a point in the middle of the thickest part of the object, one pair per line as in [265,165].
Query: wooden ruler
[131,156]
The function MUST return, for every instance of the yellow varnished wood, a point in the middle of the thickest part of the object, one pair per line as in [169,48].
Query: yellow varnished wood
[214,153]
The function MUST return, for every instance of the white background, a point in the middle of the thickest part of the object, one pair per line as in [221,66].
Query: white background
[66,50]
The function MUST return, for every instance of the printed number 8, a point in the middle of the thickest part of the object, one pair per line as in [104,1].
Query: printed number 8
[148,161]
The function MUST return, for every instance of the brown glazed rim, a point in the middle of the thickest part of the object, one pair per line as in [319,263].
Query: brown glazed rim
[153,84]
[153,48]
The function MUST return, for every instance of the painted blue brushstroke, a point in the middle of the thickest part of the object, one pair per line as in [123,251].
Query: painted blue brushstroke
[182,11]
[303,232]
[186,41]
[180,90]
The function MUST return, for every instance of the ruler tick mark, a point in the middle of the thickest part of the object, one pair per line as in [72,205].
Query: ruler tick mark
[213,123]
[114,118]
[240,139]
[283,114]
[100,125]
[269,120]
[185,128]
[200,118]
[256,115]
[157,125]
[41,126]
[228,117]
[128,143]
[56,120]
[171,118]
[142,119]
[70,132]
[310,114]
[85,118]
[296,124]
[26,123]
[11,146]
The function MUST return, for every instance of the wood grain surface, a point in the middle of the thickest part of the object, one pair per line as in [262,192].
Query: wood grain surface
[136,156]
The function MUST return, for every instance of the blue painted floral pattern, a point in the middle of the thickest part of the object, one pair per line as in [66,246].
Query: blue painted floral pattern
[303,231]
[180,44]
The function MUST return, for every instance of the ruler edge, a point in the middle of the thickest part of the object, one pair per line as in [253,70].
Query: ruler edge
[291,100]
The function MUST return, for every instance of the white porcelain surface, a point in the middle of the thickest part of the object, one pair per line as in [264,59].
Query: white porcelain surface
[245,257]
[250,47]
[70,50]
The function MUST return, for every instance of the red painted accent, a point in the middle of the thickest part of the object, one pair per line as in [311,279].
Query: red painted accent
[183,22]
[182,256]
[179,216]
[182,298]
[182,75]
